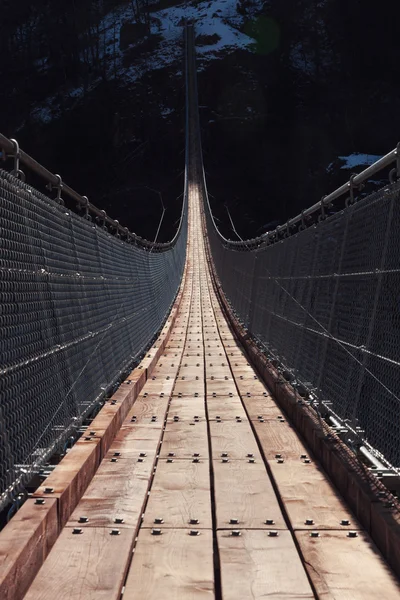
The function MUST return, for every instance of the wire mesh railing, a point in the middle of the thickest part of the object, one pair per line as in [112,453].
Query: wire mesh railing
[78,306]
[325,302]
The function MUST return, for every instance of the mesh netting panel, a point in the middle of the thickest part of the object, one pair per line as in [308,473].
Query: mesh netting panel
[326,303]
[77,307]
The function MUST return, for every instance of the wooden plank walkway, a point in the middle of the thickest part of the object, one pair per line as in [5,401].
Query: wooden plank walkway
[207,491]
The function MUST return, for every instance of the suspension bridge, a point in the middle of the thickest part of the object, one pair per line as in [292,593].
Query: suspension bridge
[205,418]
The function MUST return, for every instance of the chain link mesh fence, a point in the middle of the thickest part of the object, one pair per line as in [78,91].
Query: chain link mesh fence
[78,307]
[326,303]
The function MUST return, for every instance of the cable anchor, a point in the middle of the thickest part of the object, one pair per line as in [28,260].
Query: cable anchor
[17,172]
[394,174]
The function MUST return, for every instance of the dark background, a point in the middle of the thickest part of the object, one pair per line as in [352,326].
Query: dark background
[270,129]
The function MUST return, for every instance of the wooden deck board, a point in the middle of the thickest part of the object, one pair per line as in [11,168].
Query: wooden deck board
[172,566]
[184,440]
[86,566]
[235,439]
[343,568]
[244,491]
[180,492]
[255,566]
[308,494]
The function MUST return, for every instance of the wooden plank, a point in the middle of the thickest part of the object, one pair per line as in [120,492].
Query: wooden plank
[172,566]
[243,491]
[228,409]
[221,387]
[279,438]
[148,409]
[308,494]
[24,544]
[184,439]
[71,477]
[251,387]
[256,566]
[87,566]
[186,409]
[346,568]
[118,490]
[133,439]
[233,438]
[189,388]
[260,409]
[180,492]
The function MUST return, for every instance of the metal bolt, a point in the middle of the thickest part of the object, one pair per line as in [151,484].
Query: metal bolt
[170,460]
[309,522]
[92,433]
[269,522]
[76,530]
[142,454]
[194,521]
[225,460]
[171,453]
[133,419]
[224,454]
[235,532]
[303,456]
[40,501]
[88,439]
[280,461]
[352,534]
[48,490]
[114,532]
[83,520]
[314,534]
[250,455]
[196,454]
[194,532]
[117,453]
[278,455]
[252,460]
[140,460]
[114,460]
[345,522]
[156,532]
[158,520]
[273,533]
[118,520]
[306,461]
[196,460]
[233,521]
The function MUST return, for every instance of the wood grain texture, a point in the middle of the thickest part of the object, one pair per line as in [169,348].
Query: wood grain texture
[180,492]
[172,566]
[184,439]
[117,490]
[234,438]
[186,408]
[226,408]
[87,566]
[279,438]
[244,491]
[264,407]
[255,566]
[148,406]
[343,568]
[308,494]
[25,542]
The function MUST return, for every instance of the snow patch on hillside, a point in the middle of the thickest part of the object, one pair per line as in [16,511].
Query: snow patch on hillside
[210,18]
[357,159]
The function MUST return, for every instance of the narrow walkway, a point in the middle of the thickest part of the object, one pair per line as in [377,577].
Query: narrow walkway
[207,491]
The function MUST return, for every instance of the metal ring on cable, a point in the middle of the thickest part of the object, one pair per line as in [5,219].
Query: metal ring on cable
[104,216]
[116,225]
[287,232]
[59,186]
[86,207]
[322,216]
[16,155]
